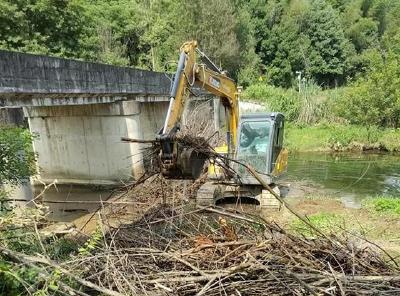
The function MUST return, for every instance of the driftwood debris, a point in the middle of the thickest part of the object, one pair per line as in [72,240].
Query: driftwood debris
[178,248]
[185,250]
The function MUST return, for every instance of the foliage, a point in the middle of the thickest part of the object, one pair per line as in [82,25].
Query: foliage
[363,34]
[374,99]
[384,205]
[113,31]
[12,280]
[262,43]
[327,53]
[309,106]
[17,160]
[42,26]
[94,241]
[274,38]
[340,137]
[18,233]
[275,98]
[302,36]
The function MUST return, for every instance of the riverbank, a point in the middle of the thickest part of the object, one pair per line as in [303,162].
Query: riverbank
[340,137]
[378,220]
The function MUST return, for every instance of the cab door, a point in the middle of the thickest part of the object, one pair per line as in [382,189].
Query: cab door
[279,155]
[277,141]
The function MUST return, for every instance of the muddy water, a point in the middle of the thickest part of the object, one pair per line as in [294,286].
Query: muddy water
[352,177]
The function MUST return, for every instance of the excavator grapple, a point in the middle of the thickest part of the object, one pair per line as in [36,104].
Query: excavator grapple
[178,162]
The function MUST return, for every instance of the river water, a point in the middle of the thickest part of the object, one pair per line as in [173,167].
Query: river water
[349,176]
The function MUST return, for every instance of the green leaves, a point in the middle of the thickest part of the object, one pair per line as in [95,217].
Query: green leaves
[328,40]
[42,26]
[276,99]
[17,160]
[92,243]
[302,36]
[374,99]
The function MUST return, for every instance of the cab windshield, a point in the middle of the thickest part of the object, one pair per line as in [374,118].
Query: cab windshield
[254,144]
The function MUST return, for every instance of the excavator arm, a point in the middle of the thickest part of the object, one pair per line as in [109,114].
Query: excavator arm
[182,164]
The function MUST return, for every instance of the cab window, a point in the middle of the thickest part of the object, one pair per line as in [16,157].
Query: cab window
[254,143]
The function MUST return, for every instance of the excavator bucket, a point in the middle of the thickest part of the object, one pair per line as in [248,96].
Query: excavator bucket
[191,163]
[179,162]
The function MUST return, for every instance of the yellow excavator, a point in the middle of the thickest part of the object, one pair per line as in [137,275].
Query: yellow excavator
[255,139]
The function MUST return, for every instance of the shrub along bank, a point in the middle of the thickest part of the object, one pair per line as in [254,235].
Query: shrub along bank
[341,137]
[337,119]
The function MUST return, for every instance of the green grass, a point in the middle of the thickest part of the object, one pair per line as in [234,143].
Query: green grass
[312,138]
[383,205]
[324,221]
[337,137]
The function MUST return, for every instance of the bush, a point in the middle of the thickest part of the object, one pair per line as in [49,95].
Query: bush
[310,106]
[17,160]
[375,98]
[21,232]
[276,99]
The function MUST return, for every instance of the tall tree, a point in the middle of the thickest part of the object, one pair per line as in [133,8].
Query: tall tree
[213,24]
[327,55]
[44,26]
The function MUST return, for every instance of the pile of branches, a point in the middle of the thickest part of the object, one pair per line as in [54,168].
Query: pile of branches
[189,250]
[178,248]
[184,249]
[209,251]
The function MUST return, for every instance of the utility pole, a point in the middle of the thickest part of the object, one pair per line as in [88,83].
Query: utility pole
[299,79]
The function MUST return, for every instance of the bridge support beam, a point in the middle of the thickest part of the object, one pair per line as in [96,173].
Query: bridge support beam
[81,144]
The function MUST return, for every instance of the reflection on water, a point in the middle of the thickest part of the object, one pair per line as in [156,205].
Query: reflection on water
[348,176]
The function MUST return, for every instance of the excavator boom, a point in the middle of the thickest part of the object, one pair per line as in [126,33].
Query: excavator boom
[187,164]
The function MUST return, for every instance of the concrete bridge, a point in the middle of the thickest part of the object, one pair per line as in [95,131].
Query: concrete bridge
[80,111]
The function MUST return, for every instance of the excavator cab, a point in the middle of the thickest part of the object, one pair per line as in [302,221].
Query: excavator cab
[260,145]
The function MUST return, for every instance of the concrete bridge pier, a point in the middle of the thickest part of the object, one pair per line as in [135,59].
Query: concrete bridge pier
[79,148]
[82,144]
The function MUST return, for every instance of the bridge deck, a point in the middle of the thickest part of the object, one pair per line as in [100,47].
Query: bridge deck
[36,80]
